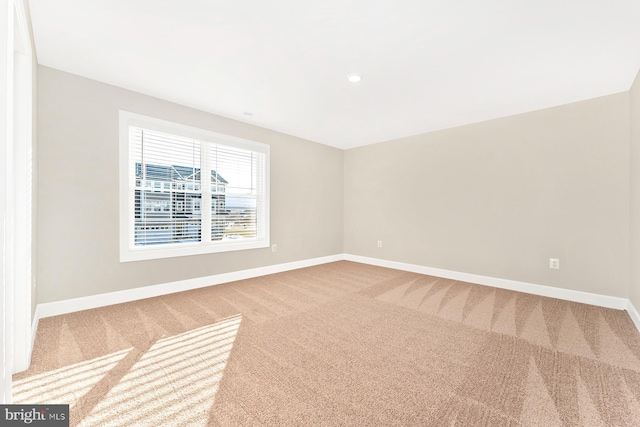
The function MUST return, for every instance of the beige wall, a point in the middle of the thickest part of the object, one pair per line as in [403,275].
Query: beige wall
[634,289]
[499,198]
[78,192]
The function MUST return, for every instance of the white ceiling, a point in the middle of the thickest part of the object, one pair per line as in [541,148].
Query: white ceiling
[426,64]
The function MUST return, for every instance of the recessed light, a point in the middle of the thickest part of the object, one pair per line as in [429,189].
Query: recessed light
[247,113]
[354,77]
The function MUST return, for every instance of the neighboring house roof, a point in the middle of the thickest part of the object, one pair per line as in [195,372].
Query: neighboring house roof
[174,173]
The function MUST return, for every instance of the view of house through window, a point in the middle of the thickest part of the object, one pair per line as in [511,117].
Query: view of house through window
[186,191]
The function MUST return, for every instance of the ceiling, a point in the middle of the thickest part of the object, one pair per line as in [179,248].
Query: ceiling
[283,64]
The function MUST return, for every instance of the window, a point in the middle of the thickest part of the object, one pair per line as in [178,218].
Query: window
[187,191]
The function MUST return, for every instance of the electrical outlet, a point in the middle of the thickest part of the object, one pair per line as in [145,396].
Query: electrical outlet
[554,263]
[274,248]
[379,243]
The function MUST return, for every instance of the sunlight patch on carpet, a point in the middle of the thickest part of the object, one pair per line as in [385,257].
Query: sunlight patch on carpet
[66,384]
[175,381]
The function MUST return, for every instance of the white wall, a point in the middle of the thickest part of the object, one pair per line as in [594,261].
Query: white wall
[499,198]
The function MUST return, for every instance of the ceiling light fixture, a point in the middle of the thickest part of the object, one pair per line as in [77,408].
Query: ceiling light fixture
[354,77]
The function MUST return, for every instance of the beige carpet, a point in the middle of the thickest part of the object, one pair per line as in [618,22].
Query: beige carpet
[340,344]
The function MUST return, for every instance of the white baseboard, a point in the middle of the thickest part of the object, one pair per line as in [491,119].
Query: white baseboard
[633,313]
[32,341]
[530,288]
[34,329]
[101,300]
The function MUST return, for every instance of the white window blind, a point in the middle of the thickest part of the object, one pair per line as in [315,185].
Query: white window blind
[166,176]
[188,191]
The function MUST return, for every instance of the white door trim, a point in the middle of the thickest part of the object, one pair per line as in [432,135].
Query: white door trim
[16,108]
[22,182]
[6,190]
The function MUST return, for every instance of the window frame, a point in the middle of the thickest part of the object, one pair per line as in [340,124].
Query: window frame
[130,252]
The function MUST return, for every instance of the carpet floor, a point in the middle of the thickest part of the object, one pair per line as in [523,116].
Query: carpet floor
[340,344]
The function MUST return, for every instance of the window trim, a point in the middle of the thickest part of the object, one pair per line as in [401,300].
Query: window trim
[130,252]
